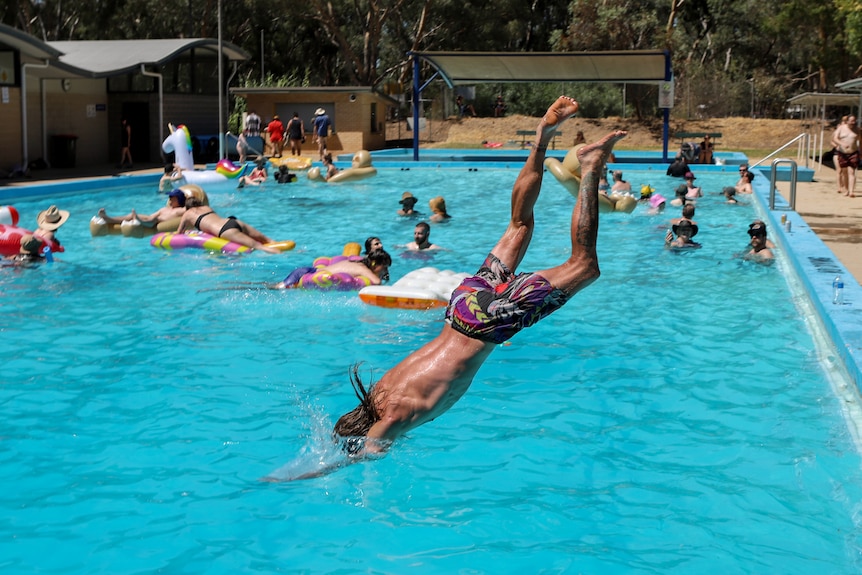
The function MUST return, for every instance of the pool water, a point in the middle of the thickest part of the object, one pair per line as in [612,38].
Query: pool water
[676,416]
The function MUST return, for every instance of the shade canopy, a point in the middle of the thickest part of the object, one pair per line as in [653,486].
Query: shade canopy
[461,68]
[634,66]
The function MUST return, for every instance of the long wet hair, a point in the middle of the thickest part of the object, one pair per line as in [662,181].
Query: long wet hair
[377,257]
[357,422]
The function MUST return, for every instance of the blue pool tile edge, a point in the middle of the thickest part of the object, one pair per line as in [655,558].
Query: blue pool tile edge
[816,267]
[60,188]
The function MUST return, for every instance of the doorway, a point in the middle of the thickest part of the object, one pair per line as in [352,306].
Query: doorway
[138,115]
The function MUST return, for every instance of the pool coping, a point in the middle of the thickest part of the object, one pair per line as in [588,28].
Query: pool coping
[816,266]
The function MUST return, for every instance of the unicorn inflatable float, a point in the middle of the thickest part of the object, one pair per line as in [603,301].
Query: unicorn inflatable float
[180,143]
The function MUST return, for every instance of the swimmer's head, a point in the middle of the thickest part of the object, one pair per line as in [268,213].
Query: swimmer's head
[378,261]
[30,245]
[179,196]
[421,233]
[373,243]
[357,422]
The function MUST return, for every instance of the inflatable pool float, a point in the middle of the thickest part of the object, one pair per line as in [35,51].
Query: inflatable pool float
[179,141]
[134,229]
[424,288]
[131,229]
[316,278]
[568,173]
[8,216]
[204,241]
[10,240]
[360,169]
[293,163]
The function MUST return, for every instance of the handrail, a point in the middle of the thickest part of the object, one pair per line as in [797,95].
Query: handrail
[797,138]
[772,180]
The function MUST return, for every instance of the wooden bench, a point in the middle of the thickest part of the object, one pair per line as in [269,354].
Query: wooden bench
[529,134]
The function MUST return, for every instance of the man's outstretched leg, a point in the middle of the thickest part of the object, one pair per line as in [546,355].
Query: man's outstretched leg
[582,267]
[513,245]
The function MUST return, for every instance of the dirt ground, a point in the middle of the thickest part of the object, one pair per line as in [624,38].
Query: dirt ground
[737,133]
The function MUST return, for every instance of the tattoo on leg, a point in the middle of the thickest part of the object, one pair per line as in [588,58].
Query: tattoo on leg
[588,211]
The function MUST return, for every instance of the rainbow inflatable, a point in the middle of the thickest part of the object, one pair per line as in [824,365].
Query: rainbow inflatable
[180,143]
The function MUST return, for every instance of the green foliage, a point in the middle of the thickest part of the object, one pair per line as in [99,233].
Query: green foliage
[721,49]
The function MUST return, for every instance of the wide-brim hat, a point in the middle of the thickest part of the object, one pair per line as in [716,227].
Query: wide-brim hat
[689,176]
[685,224]
[319,112]
[408,198]
[52,218]
[656,200]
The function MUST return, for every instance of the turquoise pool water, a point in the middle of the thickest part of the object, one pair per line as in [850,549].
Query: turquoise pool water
[674,417]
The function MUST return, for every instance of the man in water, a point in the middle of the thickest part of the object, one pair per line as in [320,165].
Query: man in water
[759,246]
[420,239]
[486,309]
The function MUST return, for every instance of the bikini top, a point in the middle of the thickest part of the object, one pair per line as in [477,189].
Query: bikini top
[200,217]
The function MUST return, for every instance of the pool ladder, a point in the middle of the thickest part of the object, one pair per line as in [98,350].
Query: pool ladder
[772,187]
[803,142]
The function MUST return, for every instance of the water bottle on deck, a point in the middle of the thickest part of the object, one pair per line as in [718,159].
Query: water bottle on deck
[838,291]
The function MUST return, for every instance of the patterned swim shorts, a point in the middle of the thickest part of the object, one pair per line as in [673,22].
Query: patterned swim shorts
[495,304]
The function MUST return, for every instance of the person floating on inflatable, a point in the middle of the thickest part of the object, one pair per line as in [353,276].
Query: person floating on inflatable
[568,173]
[205,219]
[37,245]
[340,273]
[175,209]
[360,168]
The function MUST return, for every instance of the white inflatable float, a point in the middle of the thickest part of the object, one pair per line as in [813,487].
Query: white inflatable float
[179,141]
[420,289]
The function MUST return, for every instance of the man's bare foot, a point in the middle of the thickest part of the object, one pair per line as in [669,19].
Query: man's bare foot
[103,214]
[560,111]
[594,156]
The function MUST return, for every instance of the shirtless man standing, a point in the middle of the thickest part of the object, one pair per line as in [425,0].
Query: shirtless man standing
[486,309]
[845,138]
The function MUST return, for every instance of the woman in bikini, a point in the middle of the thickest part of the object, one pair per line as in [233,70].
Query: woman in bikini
[204,219]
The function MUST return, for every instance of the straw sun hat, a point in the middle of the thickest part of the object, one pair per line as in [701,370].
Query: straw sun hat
[52,218]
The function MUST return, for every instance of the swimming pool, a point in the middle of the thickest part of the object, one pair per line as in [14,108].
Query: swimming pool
[676,416]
